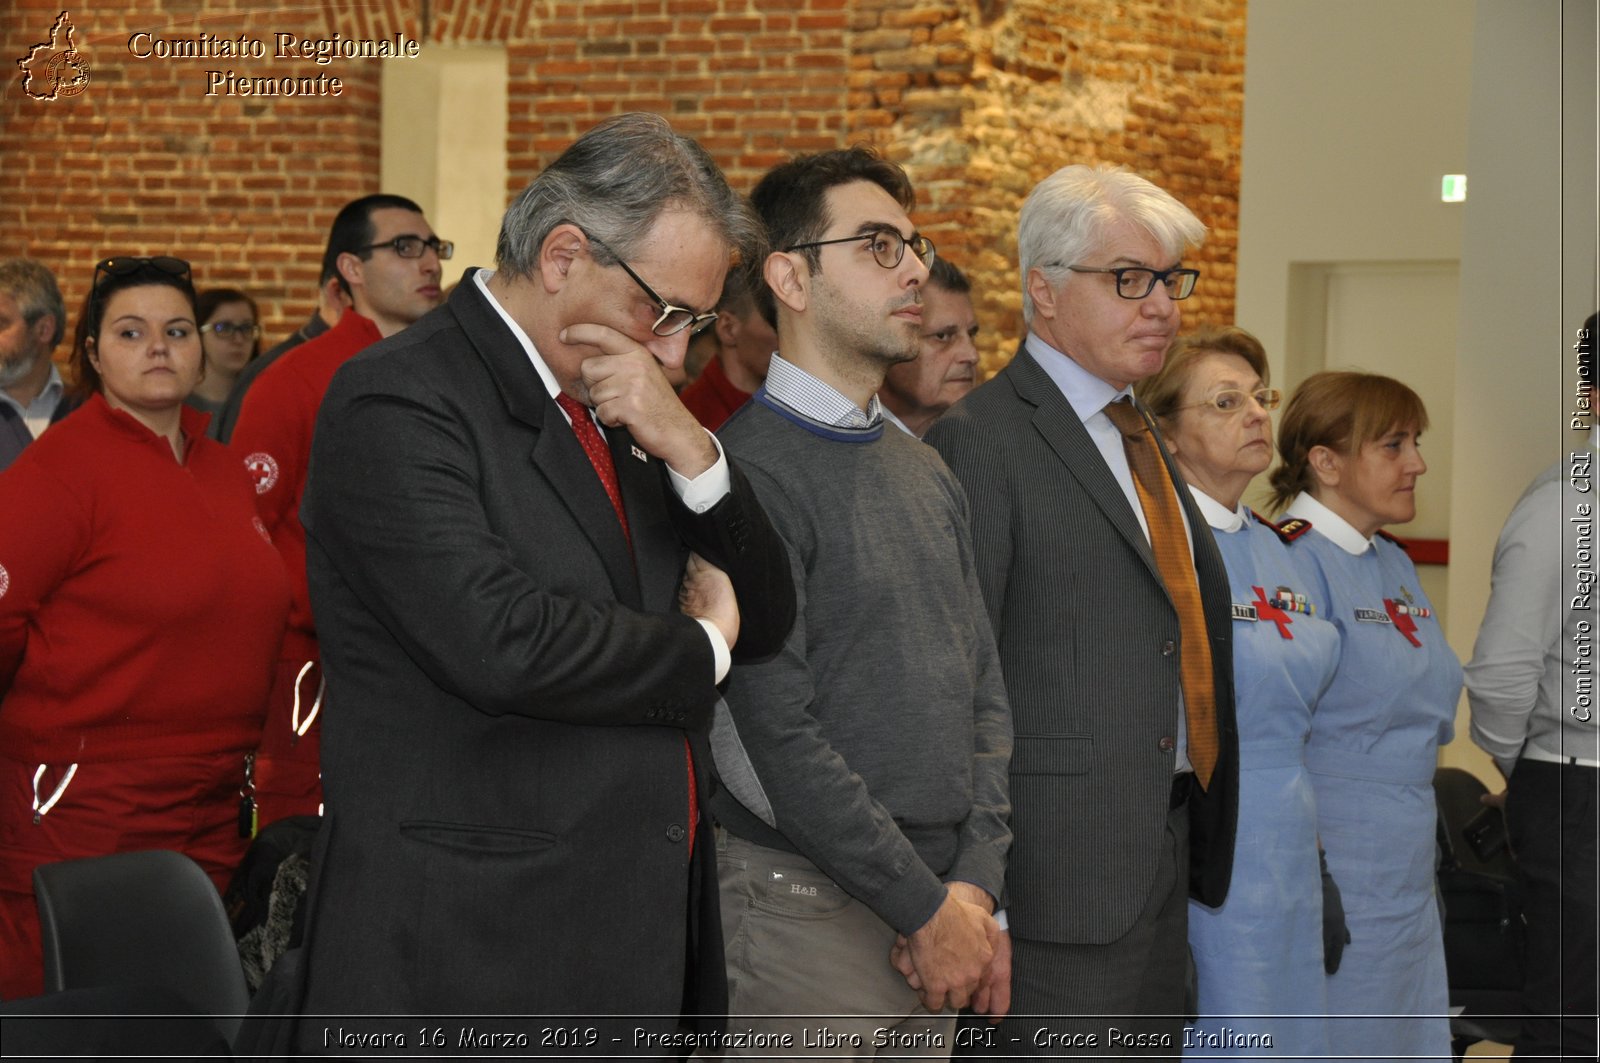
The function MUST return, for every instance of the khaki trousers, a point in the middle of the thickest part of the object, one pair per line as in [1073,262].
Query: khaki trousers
[807,960]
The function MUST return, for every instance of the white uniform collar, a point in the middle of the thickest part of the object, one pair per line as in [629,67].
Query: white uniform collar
[1218,515]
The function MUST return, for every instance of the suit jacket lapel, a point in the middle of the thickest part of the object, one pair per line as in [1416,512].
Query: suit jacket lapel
[1056,421]
[655,557]
[556,452]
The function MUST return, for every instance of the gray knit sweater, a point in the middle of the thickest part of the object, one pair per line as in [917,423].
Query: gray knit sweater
[877,743]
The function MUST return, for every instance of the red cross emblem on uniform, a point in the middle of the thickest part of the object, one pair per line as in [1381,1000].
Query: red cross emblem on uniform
[1402,621]
[263,469]
[1267,611]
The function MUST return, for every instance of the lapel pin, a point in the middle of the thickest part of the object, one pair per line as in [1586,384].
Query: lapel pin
[638,453]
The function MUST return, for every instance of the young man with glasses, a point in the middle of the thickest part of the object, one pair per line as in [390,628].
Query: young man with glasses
[332,302]
[1112,614]
[864,767]
[389,262]
[530,567]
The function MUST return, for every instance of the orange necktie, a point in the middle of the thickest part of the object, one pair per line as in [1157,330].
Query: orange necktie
[1170,545]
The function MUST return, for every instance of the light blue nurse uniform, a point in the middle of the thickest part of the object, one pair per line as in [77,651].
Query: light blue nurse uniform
[1374,747]
[1258,958]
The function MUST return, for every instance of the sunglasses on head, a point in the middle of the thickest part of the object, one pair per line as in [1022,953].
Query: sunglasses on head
[127,265]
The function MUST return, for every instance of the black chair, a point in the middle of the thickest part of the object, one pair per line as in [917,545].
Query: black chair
[147,919]
[1482,912]
[109,1023]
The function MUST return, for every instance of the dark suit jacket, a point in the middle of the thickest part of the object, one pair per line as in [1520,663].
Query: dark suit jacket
[1089,644]
[508,693]
[14,434]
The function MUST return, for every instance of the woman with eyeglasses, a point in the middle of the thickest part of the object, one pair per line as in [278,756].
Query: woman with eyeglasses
[141,608]
[230,337]
[1261,954]
[1349,444]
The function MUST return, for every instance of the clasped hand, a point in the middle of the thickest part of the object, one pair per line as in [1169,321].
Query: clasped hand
[959,957]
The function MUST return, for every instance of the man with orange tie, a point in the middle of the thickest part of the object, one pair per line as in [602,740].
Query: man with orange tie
[1111,611]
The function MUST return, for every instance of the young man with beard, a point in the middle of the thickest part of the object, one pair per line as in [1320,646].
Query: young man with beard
[864,805]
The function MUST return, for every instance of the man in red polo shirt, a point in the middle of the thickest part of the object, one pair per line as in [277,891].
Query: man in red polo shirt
[389,262]
[745,342]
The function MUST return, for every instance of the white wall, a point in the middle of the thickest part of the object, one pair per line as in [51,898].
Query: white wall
[1528,275]
[1354,109]
[444,145]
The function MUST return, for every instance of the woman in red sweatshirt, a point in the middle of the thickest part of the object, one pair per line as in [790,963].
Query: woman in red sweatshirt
[141,608]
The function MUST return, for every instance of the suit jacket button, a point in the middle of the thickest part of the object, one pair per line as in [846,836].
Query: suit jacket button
[675,833]
[1168,648]
[1167,744]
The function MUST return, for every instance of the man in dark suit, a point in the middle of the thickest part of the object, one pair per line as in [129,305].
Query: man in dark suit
[523,622]
[1113,828]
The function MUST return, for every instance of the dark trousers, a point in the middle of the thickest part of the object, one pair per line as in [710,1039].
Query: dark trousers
[1550,811]
[1125,998]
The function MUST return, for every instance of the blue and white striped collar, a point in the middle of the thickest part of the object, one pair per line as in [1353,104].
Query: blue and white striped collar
[811,397]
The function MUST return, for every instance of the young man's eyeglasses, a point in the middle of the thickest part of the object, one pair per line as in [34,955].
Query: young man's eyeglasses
[243,329]
[127,265]
[888,247]
[412,246]
[673,319]
[1136,282]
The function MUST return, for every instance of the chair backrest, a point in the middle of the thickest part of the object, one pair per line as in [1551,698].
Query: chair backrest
[143,919]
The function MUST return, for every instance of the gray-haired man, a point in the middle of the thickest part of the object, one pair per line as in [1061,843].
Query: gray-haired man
[1124,786]
[32,321]
[519,632]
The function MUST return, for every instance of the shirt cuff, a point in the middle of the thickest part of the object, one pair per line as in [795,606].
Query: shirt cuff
[1000,918]
[722,658]
[705,490]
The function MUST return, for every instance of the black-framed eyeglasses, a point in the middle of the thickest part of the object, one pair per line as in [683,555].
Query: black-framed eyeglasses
[888,246]
[242,329]
[412,246]
[1233,400]
[673,319]
[1136,282]
[128,265]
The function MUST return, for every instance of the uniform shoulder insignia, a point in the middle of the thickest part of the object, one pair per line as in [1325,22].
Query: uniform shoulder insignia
[1288,530]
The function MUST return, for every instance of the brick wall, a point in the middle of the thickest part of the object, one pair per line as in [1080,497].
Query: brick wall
[753,82]
[143,162]
[979,100]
